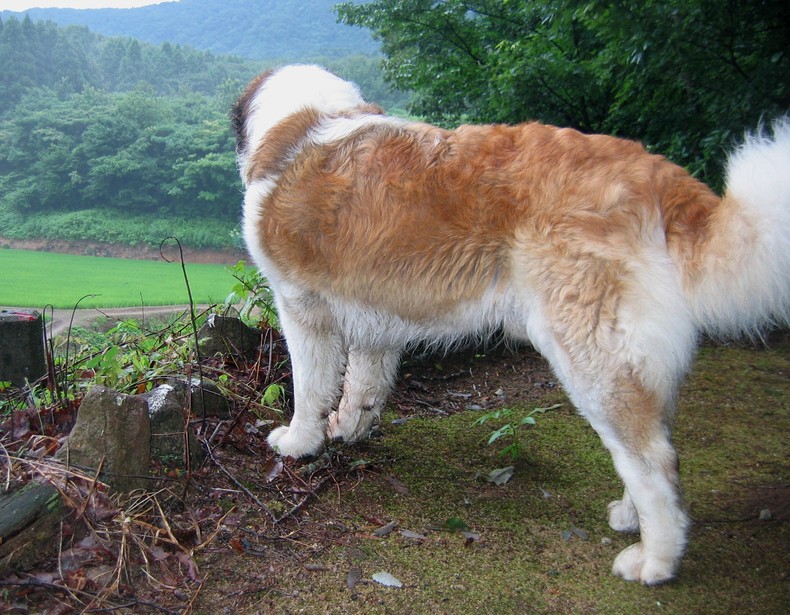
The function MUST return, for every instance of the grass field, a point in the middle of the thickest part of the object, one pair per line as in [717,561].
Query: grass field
[36,279]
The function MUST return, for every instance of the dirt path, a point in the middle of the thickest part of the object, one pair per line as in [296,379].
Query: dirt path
[61,319]
[118,250]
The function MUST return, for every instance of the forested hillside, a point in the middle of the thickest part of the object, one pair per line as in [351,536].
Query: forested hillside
[67,60]
[262,29]
[111,139]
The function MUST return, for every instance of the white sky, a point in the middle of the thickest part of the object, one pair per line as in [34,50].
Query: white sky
[21,5]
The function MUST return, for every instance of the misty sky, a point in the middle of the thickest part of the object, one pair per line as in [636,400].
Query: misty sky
[21,5]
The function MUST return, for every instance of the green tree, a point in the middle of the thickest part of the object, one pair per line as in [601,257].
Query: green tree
[18,62]
[684,76]
[134,152]
[366,72]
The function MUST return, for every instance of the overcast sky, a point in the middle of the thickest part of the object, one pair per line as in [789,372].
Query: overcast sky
[21,5]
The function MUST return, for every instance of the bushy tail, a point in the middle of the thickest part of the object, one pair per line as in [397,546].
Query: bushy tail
[743,284]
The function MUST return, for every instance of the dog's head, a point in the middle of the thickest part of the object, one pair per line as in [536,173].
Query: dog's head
[276,95]
[241,109]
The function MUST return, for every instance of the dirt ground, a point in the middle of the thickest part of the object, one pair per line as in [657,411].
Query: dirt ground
[117,250]
[413,502]
[540,543]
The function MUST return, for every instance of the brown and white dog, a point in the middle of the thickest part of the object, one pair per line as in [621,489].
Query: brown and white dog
[376,233]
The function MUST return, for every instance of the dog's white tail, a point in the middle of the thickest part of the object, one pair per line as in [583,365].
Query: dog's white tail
[742,280]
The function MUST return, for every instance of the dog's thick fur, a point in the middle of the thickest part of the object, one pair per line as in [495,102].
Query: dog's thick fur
[375,233]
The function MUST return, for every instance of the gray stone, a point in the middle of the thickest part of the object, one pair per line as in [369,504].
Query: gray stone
[228,336]
[22,356]
[114,427]
[167,410]
[206,397]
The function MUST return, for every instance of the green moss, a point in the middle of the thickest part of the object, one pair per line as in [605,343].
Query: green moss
[731,434]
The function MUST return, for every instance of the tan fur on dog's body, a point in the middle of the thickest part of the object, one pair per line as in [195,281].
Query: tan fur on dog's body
[478,189]
[376,233]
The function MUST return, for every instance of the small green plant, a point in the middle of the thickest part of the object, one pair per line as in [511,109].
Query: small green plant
[273,393]
[271,403]
[8,402]
[254,293]
[109,366]
[130,357]
[510,430]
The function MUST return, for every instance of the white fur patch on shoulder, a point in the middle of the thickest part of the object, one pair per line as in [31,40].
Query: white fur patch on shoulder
[255,196]
[340,128]
[293,88]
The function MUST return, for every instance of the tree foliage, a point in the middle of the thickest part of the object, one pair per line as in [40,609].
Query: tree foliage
[122,129]
[684,76]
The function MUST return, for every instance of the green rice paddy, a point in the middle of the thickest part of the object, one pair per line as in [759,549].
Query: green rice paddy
[37,279]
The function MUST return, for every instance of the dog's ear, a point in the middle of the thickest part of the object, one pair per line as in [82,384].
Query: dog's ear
[240,109]
[237,119]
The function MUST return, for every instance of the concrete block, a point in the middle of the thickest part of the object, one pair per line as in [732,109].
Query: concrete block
[22,356]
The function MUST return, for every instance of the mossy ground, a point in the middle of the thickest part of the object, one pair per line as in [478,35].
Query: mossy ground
[731,434]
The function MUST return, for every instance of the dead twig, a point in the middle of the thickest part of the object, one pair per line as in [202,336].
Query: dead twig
[238,484]
[36,583]
[195,594]
[303,501]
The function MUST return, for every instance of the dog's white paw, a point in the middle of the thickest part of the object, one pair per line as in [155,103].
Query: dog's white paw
[350,427]
[623,517]
[289,443]
[633,565]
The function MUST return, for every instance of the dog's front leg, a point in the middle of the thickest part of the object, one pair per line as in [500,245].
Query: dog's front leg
[317,359]
[369,377]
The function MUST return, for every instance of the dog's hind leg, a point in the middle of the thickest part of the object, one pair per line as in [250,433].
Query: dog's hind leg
[633,423]
[369,377]
[620,347]
[318,356]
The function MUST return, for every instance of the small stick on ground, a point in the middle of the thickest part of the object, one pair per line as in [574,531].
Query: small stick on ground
[238,484]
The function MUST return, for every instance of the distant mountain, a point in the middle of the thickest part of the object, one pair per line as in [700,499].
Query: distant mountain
[257,29]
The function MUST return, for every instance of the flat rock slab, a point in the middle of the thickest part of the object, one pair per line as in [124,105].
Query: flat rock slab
[114,427]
